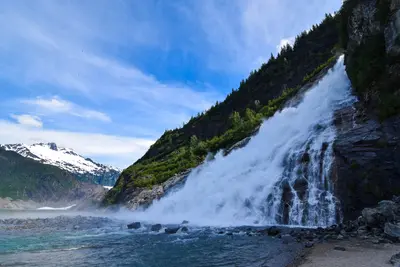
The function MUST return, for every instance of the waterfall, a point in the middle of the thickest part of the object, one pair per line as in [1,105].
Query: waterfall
[282,176]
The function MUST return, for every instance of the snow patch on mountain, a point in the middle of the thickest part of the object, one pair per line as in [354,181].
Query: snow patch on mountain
[67,159]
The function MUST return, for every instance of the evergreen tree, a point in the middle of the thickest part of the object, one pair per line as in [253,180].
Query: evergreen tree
[236,121]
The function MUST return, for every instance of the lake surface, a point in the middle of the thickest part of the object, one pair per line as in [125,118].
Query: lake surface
[48,239]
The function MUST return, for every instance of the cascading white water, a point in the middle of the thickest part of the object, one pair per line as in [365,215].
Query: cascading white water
[280,177]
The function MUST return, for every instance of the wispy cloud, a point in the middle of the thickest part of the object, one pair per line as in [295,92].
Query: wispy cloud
[36,51]
[28,120]
[58,105]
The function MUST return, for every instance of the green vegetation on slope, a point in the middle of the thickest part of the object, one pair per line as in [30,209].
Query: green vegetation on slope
[23,178]
[263,93]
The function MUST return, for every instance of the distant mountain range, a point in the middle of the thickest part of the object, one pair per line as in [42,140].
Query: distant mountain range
[38,184]
[84,169]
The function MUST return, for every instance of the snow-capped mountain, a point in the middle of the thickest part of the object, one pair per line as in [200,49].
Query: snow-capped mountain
[84,168]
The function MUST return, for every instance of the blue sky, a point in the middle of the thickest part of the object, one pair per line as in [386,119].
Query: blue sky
[106,78]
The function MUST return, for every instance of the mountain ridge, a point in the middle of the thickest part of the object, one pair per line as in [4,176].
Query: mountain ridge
[26,179]
[85,169]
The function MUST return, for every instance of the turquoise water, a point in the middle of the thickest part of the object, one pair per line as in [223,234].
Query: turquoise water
[95,241]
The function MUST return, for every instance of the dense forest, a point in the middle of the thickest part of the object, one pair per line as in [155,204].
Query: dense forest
[259,96]
[26,179]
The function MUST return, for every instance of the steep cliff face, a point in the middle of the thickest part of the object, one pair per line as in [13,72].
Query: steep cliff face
[367,149]
[367,160]
[372,42]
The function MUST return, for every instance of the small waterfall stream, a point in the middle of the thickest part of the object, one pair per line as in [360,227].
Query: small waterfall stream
[282,176]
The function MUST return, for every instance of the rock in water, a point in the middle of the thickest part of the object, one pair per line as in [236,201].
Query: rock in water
[156,227]
[171,230]
[135,225]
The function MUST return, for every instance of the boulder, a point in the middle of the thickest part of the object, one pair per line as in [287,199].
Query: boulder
[171,230]
[339,248]
[135,225]
[386,211]
[392,230]
[395,259]
[156,227]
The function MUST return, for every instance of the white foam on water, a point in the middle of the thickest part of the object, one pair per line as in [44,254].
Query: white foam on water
[62,208]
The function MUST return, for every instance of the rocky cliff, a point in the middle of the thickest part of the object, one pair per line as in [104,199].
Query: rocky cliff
[367,155]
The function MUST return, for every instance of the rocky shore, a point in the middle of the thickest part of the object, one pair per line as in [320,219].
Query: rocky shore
[375,234]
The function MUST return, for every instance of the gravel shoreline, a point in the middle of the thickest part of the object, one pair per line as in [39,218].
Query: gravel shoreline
[347,253]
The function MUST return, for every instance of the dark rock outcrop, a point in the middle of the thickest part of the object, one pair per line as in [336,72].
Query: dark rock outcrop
[143,197]
[367,158]
[366,165]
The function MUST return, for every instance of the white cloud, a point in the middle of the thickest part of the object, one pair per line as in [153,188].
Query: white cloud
[36,51]
[123,150]
[58,105]
[239,33]
[284,42]
[89,52]
[28,120]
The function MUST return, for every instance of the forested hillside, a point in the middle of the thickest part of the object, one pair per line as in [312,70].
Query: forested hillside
[26,179]
[260,95]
